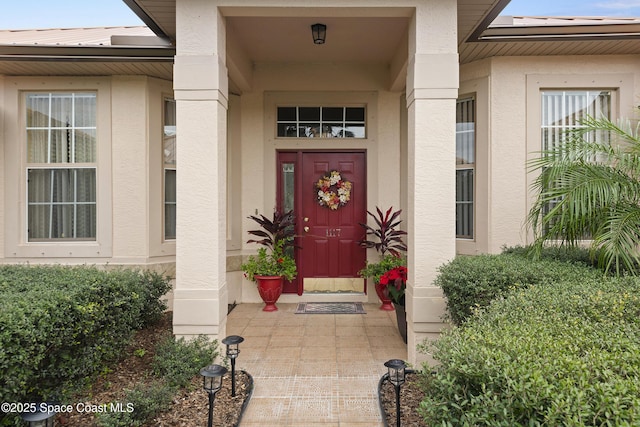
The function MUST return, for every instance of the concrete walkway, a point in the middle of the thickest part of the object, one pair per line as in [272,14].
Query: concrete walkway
[314,369]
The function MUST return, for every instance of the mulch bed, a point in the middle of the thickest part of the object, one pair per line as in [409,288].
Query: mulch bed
[190,405]
[411,395]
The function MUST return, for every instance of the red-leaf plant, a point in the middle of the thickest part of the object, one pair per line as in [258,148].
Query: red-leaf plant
[391,270]
[388,238]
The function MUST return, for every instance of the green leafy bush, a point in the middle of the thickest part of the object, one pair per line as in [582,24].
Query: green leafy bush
[142,404]
[471,283]
[570,254]
[555,354]
[178,361]
[59,325]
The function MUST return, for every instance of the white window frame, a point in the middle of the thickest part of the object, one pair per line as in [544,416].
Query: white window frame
[17,244]
[68,165]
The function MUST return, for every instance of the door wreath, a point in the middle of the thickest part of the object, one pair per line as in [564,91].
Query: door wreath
[332,191]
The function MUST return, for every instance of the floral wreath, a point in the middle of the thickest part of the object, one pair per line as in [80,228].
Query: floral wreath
[333,192]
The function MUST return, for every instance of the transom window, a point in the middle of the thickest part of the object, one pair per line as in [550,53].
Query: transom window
[465,166]
[61,165]
[321,122]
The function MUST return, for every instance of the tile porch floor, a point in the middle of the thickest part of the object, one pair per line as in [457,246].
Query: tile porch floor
[314,369]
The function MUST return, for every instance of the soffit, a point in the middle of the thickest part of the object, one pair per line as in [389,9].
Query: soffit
[545,36]
[85,51]
[380,25]
[161,70]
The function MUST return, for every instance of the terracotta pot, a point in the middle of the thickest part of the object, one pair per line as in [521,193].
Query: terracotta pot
[270,288]
[386,301]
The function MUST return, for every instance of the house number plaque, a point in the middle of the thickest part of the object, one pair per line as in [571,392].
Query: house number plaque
[333,232]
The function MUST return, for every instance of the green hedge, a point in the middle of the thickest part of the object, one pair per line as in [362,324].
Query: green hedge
[470,283]
[60,325]
[558,354]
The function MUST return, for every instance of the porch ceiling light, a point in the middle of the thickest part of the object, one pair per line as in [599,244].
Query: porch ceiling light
[319,32]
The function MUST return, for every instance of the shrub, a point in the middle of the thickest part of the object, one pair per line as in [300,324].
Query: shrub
[575,255]
[565,353]
[178,361]
[59,325]
[142,404]
[471,283]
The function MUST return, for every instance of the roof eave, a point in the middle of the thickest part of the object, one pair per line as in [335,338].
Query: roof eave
[86,53]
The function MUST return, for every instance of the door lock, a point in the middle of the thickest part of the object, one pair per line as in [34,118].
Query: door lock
[306,219]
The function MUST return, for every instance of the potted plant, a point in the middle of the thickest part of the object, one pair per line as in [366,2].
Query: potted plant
[273,263]
[390,273]
[395,284]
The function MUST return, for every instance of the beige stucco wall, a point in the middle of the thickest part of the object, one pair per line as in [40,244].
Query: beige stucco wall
[130,185]
[508,105]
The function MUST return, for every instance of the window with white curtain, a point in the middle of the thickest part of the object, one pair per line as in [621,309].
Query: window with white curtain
[61,166]
[465,166]
[562,110]
[169,155]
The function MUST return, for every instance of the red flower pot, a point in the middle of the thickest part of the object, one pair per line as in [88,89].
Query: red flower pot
[270,288]
[386,301]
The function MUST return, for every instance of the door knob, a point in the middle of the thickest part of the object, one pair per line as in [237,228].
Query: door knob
[306,229]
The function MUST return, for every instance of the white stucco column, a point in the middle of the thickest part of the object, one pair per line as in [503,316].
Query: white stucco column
[432,88]
[201,87]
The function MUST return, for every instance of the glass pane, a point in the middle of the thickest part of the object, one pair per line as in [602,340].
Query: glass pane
[86,185]
[309,114]
[465,131]
[170,221]
[287,130]
[85,110]
[169,204]
[62,203]
[169,133]
[61,128]
[310,130]
[37,146]
[169,186]
[464,203]
[85,146]
[85,221]
[287,114]
[332,114]
[288,172]
[61,109]
[354,114]
[37,110]
[353,130]
[60,146]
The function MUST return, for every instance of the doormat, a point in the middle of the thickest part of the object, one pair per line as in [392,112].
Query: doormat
[330,308]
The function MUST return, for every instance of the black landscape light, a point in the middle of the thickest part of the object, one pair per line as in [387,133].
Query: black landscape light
[397,372]
[319,32]
[39,419]
[212,383]
[233,350]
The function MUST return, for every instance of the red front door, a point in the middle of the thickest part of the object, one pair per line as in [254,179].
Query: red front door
[328,236]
